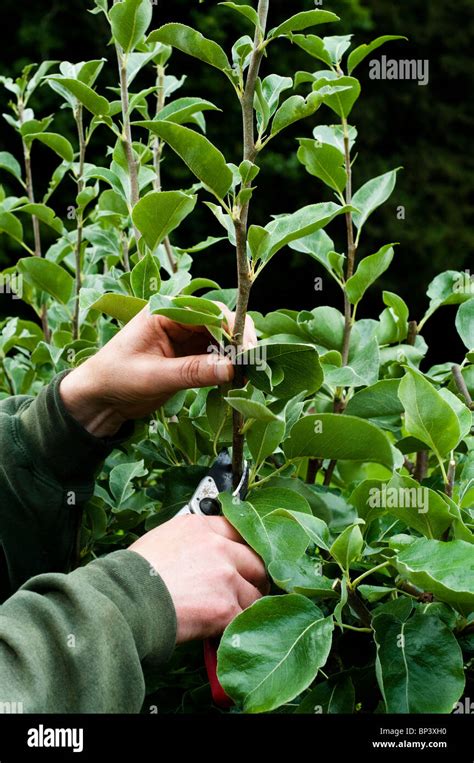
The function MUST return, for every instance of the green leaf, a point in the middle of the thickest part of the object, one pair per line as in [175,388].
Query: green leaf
[417,506]
[313,45]
[337,45]
[251,407]
[419,664]
[272,651]
[245,10]
[329,435]
[145,277]
[272,536]
[202,158]
[324,162]
[358,54]
[193,43]
[266,242]
[368,272]
[428,417]
[95,103]
[319,246]
[374,193]
[293,109]
[295,367]
[303,577]
[11,225]
[445,569]
[121,478]
[58,144]
[48,277]
[10,164]
[130,20]
[348,546]
[263,438]
[333,697]
[465,323]
[316,529]
[379,402]
[193,311]
[45,214]
[302,21]
[340,93]
[398,314]
[119,306]
[160,212]
[268,499]
[184,109]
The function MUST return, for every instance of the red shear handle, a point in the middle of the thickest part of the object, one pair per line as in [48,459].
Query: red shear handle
[221,699]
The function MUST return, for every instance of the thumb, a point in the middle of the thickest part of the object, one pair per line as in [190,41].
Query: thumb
[195,371]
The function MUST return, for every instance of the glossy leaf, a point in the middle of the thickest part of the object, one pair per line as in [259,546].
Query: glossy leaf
[191,42]
[348,546]
[303,577]
[428,417]
[193,311]
[419,664]
[84,94]
[145,277]
[202,158]
[372,195]
[266,242]
[10,164]
[48,277]
[130,20]
[293,109]
[465,323]
[328,435]
[272,651]
[303,21]
[445,569]
[119,306]
[245,10]
[272,536]
[160,212]
[368,272]
[324,162]
[360,53]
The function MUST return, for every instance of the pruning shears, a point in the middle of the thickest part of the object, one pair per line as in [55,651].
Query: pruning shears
[205,502]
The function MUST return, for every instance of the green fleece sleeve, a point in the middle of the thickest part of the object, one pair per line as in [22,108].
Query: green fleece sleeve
[77,642]
[48,462]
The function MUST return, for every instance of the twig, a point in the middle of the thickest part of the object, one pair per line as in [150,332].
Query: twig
[421,467]
[351,246]
[127,132]
[462,386]
[449,487]
[412,333]
[80,219]
[34,219]
[243,272]
[314,465]
[157,154]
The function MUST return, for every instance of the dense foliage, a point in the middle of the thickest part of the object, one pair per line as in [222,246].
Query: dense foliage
[361,464]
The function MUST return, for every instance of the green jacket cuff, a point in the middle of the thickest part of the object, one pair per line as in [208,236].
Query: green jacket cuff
[138,591]
[54,438]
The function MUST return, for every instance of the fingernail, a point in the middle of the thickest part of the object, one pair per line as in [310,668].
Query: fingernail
[224,370]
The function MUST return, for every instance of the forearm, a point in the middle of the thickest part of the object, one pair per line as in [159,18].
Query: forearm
[83,642]
[47,467]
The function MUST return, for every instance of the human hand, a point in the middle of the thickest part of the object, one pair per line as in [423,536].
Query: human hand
[210,573]
[145,364]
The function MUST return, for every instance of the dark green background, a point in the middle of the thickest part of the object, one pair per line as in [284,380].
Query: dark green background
[427,130]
